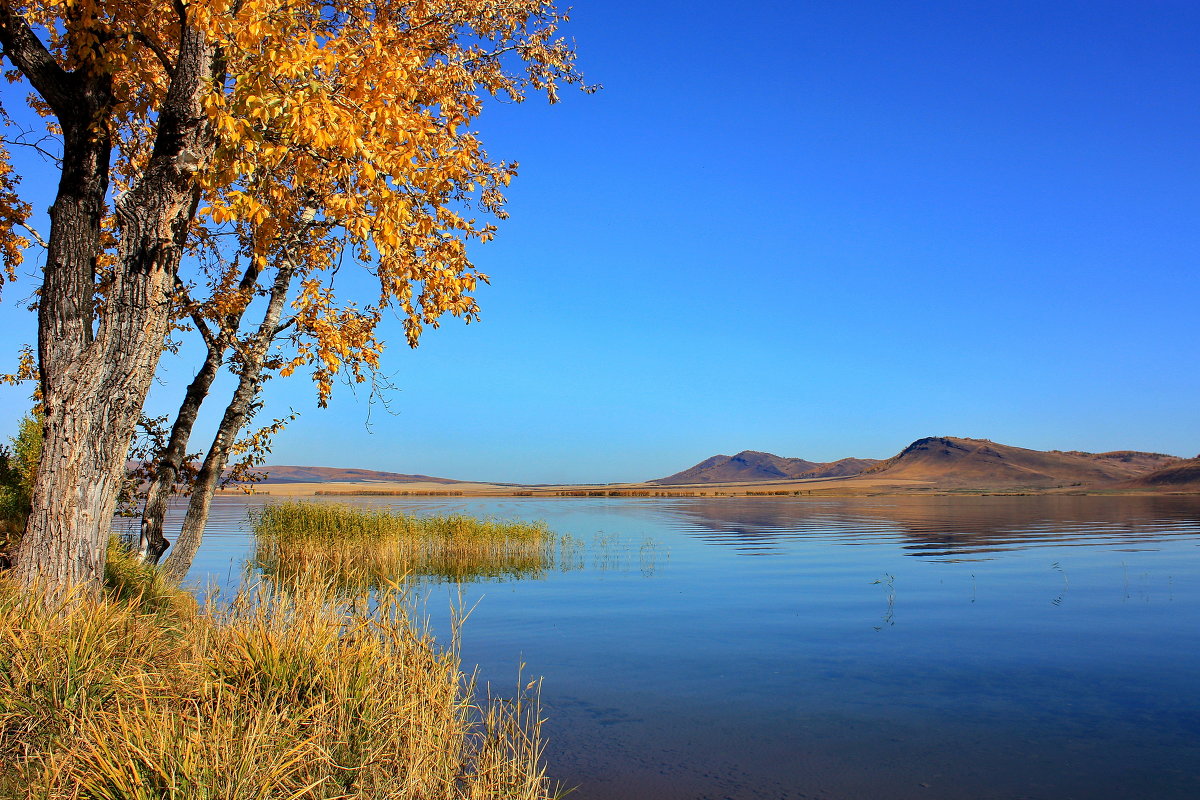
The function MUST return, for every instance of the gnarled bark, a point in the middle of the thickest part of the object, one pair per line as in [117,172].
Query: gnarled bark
[95,373]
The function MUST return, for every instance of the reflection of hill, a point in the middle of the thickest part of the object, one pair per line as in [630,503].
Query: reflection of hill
[938,527]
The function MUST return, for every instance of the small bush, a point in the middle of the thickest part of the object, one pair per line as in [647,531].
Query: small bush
[18,467]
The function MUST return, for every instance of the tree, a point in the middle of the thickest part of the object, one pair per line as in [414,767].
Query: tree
[169,462]
[331,132]
[252,360]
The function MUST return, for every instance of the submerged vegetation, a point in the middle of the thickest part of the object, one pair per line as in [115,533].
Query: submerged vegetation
[359,549]
[280,693]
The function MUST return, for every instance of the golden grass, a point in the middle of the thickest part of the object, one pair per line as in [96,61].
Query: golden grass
[140,695]
[358,549]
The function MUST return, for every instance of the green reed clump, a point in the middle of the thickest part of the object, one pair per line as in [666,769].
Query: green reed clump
[278,694]
[359,549]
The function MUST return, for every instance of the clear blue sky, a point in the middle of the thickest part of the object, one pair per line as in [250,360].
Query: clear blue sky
[816,229]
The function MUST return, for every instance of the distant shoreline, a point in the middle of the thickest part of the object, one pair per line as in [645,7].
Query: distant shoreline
[932,466]
[813,488]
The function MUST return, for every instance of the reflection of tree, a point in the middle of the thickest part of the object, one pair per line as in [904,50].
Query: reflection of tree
[938,527]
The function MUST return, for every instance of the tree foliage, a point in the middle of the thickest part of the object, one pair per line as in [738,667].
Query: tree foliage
[256,135]
[342,133]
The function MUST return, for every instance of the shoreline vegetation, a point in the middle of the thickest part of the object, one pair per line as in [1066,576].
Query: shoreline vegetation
[358,550]
[355,549]
[305,685]
[826,488]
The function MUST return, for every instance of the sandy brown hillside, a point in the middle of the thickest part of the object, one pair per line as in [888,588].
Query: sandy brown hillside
[1135,461]
[294,474]
[751,465]
[1181,476]
[842,468]
[951,462]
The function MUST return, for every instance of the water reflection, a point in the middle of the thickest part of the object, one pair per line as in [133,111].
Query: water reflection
[605,553]
[942,529]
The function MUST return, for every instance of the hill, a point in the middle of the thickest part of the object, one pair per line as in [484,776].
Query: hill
[752,465]
[842,468]
[294,474]
[951,462]
[1180,476]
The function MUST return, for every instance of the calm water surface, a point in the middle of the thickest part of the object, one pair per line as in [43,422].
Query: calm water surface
[973,647]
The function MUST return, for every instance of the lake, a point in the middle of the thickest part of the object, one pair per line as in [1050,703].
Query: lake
[938,647]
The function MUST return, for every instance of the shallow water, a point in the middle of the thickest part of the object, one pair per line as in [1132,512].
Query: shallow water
[963,647]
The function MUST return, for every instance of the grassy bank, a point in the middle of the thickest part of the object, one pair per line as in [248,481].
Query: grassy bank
[279,694]
[358,549]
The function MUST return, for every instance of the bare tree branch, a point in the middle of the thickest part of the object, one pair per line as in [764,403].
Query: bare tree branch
[210,339]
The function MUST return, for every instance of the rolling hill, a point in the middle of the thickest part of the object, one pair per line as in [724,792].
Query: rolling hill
[948,462]
[294,474]
[1181,476]
[936,462]
[951,462]
[752,465]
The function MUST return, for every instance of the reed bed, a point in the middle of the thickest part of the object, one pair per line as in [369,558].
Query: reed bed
[387,493]
[359,549]
[142,695]
[617,493]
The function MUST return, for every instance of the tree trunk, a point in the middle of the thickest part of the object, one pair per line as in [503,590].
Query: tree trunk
[92,403]
[152,544]
[61,544]
[184,552]
[253,356]
[94,379]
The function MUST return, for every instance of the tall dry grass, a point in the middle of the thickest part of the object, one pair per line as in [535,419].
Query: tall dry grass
[141,695]
[358,549]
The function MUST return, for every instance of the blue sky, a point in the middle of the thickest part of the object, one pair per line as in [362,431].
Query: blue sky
[816,229]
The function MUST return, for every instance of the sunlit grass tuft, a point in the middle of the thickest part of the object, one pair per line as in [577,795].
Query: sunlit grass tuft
[142,584]
[358,549]
[276,694]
